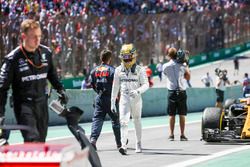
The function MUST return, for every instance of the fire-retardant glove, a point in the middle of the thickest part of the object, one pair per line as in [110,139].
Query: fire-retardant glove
[134,93]
[63,97]
[113,108]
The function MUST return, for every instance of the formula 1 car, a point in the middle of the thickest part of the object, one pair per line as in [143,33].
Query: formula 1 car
[232,123]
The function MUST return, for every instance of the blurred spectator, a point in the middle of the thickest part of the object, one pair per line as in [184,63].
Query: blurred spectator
[152,66]
[149,75]
[159,69]
[237,82]
[236,65]
[207,80]
[59,73]
[246,85]
[77,30]
[220,87]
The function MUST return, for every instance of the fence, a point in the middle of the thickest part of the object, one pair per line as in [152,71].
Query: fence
[77,41]
[154,102]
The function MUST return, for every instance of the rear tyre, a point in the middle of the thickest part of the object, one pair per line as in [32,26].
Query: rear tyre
[212,119]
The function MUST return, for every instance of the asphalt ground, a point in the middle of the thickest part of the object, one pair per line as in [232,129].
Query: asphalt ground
[157,150]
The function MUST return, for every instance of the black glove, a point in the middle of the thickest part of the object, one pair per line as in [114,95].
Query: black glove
[63,97]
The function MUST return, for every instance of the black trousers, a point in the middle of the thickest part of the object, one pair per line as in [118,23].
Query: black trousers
[103,107]
[220,95]
[35,115]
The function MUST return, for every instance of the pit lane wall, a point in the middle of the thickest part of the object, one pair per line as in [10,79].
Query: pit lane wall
[154,102]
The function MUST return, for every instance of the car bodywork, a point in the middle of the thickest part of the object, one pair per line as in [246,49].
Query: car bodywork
[232,123]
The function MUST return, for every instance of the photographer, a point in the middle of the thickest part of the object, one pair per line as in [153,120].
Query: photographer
[220,86]
[176,71]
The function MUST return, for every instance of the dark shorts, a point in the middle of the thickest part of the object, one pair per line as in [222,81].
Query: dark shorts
[220,95]
[177,102]
[207,84]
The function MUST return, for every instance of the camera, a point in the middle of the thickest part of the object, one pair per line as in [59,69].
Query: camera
[222,74]
[182,56]
[58,107]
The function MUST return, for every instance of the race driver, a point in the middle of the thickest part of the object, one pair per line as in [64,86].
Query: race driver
[131,80]
[27,69]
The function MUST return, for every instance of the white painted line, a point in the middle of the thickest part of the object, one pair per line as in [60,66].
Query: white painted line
[107,132]
[206,158]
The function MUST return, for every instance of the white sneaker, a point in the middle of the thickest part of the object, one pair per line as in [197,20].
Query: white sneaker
[138,147]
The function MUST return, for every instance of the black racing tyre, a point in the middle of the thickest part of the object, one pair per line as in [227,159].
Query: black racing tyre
[212,119]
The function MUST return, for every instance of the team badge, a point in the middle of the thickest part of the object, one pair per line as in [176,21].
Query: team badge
[44,56]
[21,61]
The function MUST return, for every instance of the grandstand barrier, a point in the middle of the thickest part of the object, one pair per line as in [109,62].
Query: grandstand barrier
[218,54]
[154,102]
[72,83]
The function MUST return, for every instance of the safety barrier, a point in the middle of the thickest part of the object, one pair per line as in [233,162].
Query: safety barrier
[154,102]
[218,54]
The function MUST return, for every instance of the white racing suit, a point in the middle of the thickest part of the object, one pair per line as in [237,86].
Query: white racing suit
[125,81]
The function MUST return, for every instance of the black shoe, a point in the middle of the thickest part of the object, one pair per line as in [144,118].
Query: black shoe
[183,138]
[123,151]
[171,138]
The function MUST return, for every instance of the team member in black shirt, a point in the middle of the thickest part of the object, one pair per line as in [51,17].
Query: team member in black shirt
[27,69]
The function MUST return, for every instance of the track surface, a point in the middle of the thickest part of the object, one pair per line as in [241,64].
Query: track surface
[157,150]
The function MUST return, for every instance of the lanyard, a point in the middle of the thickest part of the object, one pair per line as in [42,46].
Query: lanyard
[30,61]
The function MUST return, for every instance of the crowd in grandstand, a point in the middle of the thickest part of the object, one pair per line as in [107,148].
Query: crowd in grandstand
[83,38]
[105,7]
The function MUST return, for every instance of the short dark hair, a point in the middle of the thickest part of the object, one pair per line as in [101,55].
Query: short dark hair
[105,55]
